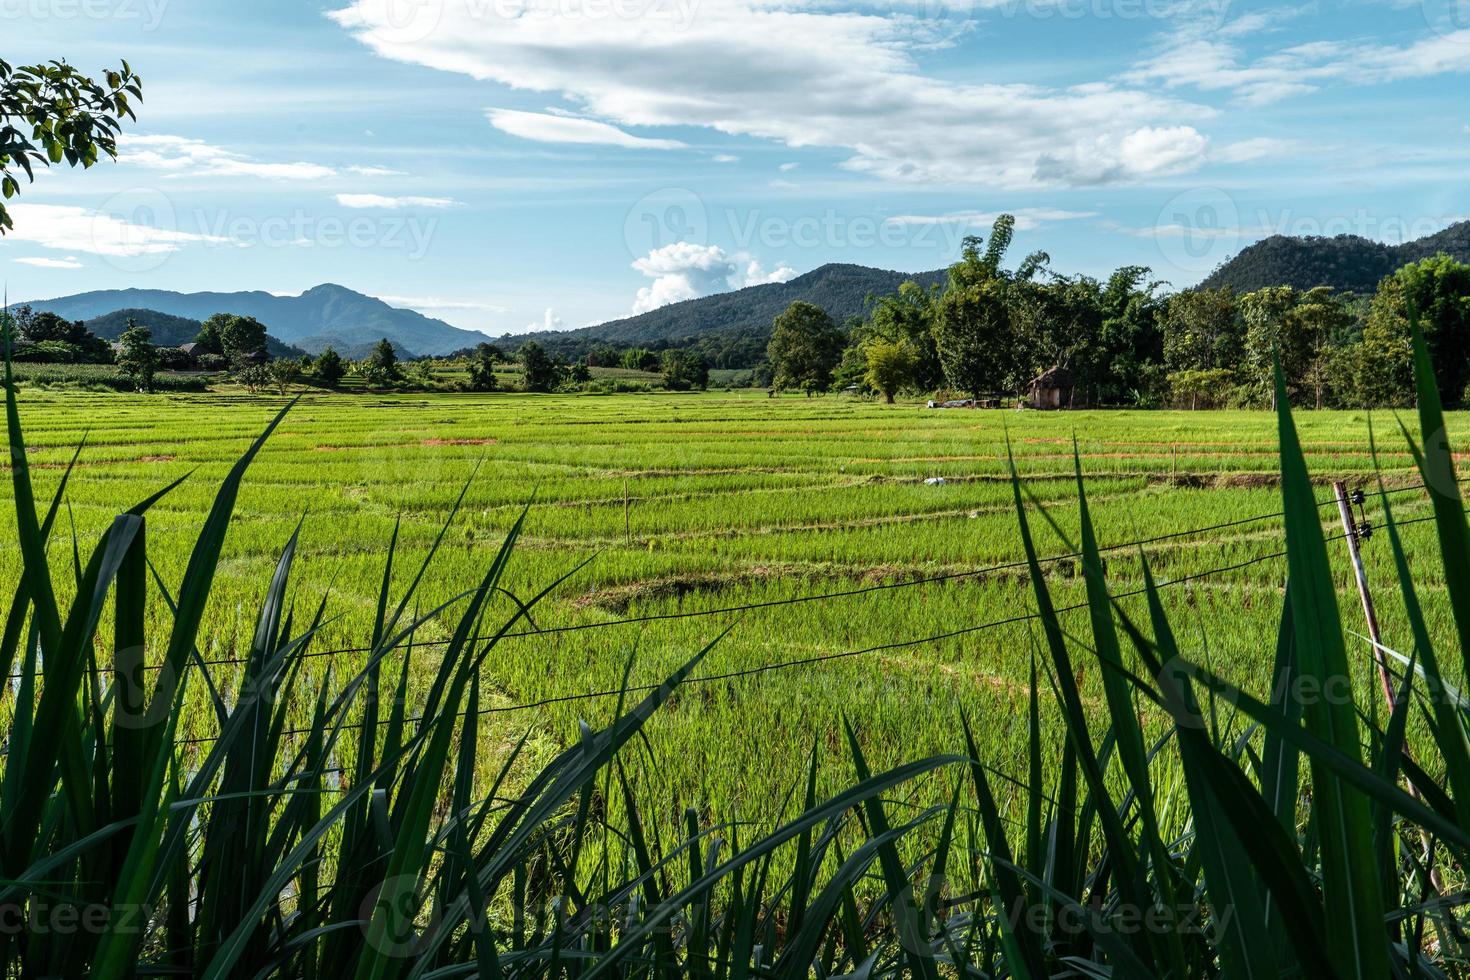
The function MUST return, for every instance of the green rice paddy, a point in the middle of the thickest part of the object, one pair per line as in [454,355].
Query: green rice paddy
[684,503]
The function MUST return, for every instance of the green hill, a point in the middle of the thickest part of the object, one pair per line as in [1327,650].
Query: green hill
[1349,263]
[738,323]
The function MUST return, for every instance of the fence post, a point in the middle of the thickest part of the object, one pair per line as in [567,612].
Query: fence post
[1353,534]
[1360,576]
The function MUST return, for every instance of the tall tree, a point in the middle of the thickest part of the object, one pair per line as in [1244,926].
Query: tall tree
[53,113]
[482,368]
[539,372]
[891,366]
[137,358]
[977,342]
[1202,331]
[329,367]
[908,315]
[804,349]
[381,366]
[1266,317]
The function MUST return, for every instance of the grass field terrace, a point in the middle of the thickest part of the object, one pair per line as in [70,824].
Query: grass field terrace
[692,502]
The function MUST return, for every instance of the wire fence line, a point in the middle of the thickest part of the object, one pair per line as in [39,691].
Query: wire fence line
[764,669]
[802,599]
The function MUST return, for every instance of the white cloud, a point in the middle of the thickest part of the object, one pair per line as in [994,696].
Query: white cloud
[786,168]
[73,229]
[545,127]
[422,303]
[383,202]
[374,171]
[731,158]
[841,79]
[183,157]
[1259,148]
[549,321]
[1027,219]
[40,262]
[684,270]
[1208,63]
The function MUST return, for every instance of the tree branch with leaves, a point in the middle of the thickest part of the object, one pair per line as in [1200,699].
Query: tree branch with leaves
[52,113]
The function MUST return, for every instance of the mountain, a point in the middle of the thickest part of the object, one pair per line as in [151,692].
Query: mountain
[169,331]
[840,289]
[1349,263]
[323,315]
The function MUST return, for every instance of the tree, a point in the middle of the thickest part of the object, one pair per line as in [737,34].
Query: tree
[891,366]
[381,366]
[1438,291]
[683,370]
[329,367]
[978,344]
[68,340]
[1202,331]
[973,334]
[1265,314]
[69,116]
[482,368]
[284,372]
[804,349]
[137,358]
[241,339]
[640,359]
[538,371]
[908,315]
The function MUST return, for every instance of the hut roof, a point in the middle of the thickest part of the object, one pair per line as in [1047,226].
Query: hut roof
[1054,377]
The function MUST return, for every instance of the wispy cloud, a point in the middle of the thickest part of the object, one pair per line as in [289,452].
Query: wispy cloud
[546,127]
[41,262]
[180,156]
[74,229]
[1027,219]
[385,202]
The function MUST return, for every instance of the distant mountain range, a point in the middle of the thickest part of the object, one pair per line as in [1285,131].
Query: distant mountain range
[323,315]
[1349,263]
[839,289]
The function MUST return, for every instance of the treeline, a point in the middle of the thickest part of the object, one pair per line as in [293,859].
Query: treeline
[993,332]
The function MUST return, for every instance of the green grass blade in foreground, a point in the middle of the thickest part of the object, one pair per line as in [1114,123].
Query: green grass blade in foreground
[1450,739]
[1437,467]
[1351,886]
[1120,846]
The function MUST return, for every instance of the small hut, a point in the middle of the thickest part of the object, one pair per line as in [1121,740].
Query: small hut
[1053,388]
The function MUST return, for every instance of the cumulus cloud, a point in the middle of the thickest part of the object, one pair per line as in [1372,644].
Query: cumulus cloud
[383,202]
[41,262]
[684,270]
[74,229]
[549,321]
[183,157]
[547,127]
[841,79]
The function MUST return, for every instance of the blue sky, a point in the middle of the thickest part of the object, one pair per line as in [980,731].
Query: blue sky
[512,163]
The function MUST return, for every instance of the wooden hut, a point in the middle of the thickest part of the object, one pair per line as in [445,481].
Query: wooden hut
[1053,388]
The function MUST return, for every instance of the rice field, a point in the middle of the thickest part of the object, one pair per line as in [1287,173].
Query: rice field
[666,505]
